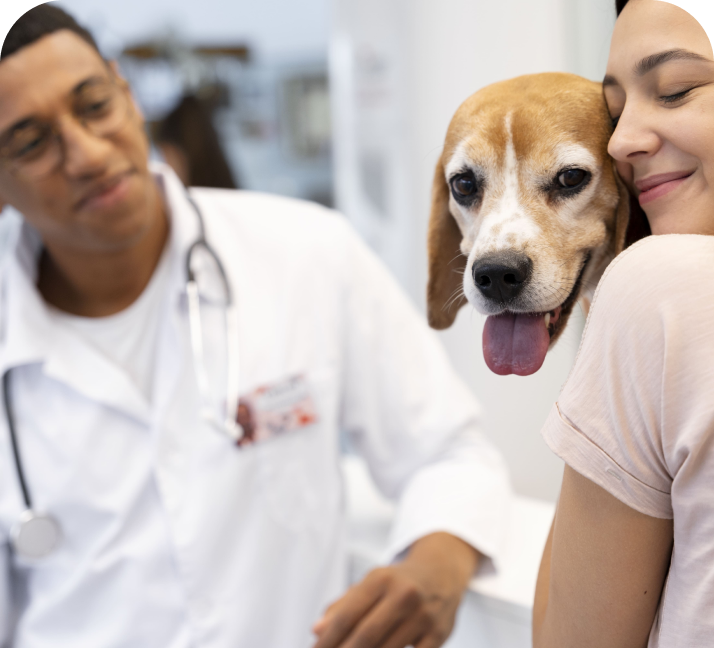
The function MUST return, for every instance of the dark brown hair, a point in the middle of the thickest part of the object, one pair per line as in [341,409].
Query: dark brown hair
[43,20]
[189,126]
[639,226]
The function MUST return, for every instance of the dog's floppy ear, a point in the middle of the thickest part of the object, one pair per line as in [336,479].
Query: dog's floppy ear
[446,263]
[631,222]
[622,214]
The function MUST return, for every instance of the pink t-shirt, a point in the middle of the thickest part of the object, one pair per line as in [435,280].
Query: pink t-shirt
[636,415]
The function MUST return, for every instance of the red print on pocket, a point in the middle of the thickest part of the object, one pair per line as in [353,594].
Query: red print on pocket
[276,409]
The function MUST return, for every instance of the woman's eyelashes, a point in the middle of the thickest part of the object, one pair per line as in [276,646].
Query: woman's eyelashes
[674,98]
[466,188]
[667,100]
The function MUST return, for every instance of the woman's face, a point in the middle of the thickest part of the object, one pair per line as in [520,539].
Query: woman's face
[659,89]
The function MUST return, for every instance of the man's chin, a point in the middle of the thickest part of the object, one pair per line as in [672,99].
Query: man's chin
[120,228]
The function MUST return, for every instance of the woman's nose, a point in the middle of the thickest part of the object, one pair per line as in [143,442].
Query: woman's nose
[633,137]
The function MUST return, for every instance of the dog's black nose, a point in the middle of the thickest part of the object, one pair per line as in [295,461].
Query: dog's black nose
[502,277]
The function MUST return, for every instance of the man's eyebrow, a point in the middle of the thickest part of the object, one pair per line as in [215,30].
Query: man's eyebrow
[85,83]
[28,119]
[649,63]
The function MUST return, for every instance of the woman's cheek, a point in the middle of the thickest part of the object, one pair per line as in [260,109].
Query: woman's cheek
[693,132]
[627,173]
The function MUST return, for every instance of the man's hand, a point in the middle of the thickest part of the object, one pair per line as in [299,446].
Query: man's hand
[412,603]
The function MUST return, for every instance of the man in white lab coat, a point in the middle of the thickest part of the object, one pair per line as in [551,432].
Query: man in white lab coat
[176,532]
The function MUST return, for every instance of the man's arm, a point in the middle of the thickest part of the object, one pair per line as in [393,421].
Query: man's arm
[413,603]
[417,425]
[602,572]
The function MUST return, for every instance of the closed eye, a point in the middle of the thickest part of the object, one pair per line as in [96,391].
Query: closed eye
[674,98]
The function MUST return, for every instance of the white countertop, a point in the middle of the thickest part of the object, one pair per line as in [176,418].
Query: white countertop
[497,609]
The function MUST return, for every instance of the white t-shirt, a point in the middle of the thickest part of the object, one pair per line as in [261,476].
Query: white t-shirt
[128,338]
[636,415]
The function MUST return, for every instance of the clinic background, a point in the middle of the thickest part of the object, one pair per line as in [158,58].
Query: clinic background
[347,103]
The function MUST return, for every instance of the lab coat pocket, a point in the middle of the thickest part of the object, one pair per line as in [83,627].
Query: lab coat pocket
[299,473]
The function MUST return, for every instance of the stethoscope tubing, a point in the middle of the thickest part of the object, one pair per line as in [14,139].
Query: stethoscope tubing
[201,241]
[10,417]
[228,426]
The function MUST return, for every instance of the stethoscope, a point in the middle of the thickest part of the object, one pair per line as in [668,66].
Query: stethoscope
[37,534]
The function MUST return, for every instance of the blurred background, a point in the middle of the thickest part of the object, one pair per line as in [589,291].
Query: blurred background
[346,103]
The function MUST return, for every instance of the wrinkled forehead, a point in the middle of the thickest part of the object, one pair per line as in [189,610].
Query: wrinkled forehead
[545,125]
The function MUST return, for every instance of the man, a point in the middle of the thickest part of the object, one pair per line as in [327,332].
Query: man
[175,530]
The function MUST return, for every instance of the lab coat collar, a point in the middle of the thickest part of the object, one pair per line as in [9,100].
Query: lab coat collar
[185,225]
[29,335]
[185,229]
[26,328]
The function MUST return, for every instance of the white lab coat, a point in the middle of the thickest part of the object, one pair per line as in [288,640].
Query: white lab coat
[174,537]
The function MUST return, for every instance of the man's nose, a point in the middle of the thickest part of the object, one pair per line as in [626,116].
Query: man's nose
[502,277]
[85,154]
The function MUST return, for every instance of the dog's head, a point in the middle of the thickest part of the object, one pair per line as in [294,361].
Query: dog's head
[527,211]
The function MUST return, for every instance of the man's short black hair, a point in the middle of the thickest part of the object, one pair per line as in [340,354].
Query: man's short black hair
[41,21]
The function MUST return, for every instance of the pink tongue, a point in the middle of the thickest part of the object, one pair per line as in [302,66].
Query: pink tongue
[515,344]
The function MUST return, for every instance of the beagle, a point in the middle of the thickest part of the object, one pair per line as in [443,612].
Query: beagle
[527,212]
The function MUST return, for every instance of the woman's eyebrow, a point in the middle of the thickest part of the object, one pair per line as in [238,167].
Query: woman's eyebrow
[649,63]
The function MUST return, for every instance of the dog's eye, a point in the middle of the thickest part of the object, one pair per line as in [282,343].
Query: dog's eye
[464,186]
[572,178]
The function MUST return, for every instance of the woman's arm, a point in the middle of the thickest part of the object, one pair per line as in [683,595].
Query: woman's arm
[602,572]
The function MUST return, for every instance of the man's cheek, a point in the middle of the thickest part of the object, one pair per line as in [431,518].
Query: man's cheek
[14,194]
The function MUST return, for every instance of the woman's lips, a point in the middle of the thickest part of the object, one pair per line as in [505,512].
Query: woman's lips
[657,186]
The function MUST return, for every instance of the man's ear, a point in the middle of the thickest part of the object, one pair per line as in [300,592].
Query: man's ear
[447,264]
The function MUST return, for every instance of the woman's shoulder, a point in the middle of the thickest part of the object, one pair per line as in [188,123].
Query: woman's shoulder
[662,271]
[654,248]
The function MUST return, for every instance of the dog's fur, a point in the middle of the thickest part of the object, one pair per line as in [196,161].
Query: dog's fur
[517,137]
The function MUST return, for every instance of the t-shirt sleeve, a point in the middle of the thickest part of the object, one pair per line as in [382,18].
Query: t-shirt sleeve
[607,423]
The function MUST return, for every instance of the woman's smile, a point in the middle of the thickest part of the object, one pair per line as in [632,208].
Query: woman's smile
[657,186]
[659,88]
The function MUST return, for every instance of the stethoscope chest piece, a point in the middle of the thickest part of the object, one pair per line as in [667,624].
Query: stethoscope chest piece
[35,535]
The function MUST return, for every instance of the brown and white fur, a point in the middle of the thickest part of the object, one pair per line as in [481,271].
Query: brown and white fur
[514,140]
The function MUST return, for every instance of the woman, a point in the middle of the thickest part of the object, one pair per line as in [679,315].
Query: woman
[630,559]
[191,145]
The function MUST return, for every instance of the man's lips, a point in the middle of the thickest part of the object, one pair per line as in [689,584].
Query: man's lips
[106,193]
[659,185]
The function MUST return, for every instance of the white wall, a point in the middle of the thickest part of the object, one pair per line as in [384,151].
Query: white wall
[279,28]
[400,69]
